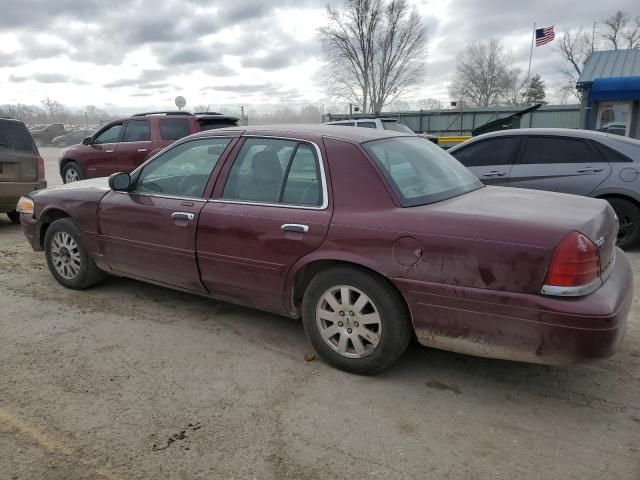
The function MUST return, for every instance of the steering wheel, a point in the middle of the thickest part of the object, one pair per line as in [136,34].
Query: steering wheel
[191,185]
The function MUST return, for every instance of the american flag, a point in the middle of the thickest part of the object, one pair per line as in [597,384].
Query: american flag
[544,35]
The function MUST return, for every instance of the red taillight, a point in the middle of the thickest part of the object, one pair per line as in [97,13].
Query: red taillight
[40,167]
[575,262]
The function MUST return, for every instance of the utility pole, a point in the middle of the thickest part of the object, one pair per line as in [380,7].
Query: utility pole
[350,109]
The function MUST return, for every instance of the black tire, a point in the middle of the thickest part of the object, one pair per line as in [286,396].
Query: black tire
[71,167]
[88,273]
[14,216]
[396,328]
[629,218]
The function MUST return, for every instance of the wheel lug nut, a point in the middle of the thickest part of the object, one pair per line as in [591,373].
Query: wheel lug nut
[349,330]
[356,324]
[351,314]
[341,313]
[340,324]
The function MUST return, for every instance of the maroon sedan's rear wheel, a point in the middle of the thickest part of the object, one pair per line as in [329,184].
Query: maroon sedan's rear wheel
[356,321]
[68,260]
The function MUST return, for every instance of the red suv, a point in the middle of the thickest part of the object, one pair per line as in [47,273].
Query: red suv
[122,145]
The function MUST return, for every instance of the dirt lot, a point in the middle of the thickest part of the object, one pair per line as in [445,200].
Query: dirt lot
[131,381]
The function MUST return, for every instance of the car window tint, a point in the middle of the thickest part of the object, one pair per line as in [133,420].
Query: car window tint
[367,124]
[302,186]
[274,171]
[395,126]
[110,135]
[174,128]
[137,131]
[344,124]
[610,155]
[497,151]
[546,150]
[15,136]
[184,170]
[420,172]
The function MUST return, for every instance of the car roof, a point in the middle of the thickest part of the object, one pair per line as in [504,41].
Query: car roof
[10,120]
[356,135]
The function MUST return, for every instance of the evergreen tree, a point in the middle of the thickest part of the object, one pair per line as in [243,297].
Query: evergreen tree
[535,91]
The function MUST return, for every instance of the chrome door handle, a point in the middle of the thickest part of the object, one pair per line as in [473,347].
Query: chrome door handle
[142,149]
[182,216]
[589,169]
[294,227]
[108,151]
[494,173]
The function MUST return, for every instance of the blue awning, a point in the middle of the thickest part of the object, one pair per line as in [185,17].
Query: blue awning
[615,88]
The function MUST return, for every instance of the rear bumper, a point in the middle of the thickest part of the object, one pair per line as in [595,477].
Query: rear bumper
[523,327]
[10,193]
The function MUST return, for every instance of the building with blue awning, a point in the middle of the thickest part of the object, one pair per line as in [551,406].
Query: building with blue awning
[610,87]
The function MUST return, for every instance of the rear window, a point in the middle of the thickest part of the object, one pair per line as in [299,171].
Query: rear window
[419,171]
[395,126]
[15,136]
[174,128]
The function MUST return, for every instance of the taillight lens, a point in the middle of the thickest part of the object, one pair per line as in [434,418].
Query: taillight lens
[40,167]
[575,262]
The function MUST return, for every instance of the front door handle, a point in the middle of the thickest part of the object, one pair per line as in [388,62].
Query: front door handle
[182,216]
[142,149]
[294,227]
[589,169]
[108,151]
[494,173]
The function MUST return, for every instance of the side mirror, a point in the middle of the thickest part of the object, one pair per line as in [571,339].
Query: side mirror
[87,141]
[120,182]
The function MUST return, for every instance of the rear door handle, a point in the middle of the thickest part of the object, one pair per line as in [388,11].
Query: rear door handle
[589,169]
[494,173]
[142,149]
[182,216]
[108,151]
[294,227]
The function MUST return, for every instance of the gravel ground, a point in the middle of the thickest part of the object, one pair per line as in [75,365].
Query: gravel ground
[133,381]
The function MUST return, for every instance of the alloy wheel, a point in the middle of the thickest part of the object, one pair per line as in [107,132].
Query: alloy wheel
[71,175]
[348,321]
[65,255]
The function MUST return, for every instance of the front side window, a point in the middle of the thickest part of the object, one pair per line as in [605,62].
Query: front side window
[137,131]
[110,135]
[174,128]
[275,171]
[545,150]
[184,170]
[497,151]
[419,171]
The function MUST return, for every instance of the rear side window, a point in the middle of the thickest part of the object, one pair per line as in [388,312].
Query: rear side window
[174,128]
[276,172]
[137,131]
[367,124]
[610,155]
[547,150]
[497,151]
[15,136]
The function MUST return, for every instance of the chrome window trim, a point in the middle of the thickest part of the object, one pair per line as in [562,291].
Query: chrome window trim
[581,290]
[323,179]
[170,197]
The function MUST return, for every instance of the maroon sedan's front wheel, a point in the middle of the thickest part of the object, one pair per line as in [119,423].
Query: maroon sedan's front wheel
[356,321]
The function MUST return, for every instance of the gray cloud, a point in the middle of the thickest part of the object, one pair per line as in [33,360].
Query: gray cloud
[17,78]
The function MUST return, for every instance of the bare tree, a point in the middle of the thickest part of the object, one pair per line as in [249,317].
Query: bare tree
[575,48]
[376,50]
[622,31]
[483,75]
[52,107]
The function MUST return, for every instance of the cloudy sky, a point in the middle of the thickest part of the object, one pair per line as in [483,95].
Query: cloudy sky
[129,54]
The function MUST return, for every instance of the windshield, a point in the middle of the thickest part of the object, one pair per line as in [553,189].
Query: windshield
[419,171]
[396,126]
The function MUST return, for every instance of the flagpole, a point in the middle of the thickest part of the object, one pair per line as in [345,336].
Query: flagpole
[533,37]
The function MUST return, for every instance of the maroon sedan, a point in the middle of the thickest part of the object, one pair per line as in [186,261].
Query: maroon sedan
[369,236]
